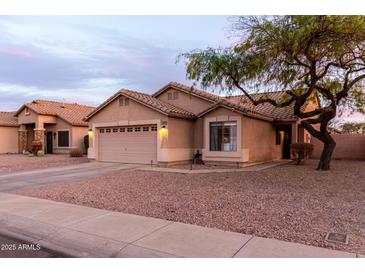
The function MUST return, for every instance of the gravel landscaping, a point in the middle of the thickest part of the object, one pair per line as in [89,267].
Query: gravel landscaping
[202,167]
[17,162]
[288,202]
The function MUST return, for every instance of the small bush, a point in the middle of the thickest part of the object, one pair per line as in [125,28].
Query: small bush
[86,142]
[36,146]
[76,152]
[301,151]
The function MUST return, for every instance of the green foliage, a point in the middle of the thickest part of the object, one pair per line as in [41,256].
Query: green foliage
[353,128]
[76,152]
[36,146]
[86,142]
[301,151]
[288,52]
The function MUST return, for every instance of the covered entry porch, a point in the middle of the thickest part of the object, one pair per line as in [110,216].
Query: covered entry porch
[288,133]
[42,134]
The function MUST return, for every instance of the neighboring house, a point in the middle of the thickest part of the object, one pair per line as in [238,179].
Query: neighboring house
[8,132]
[59,127]
[171,125]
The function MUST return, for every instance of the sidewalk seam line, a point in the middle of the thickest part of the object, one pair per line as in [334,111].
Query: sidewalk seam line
[252,236]
[148,234]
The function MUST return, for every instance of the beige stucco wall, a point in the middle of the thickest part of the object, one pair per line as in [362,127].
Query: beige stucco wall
[186,101]
[135,111]
[8,139]
[78,134]
[199,134]
[177,146]
[259,137]
[221,115]
[181,133]
[32,117]
[38,120]
[348,146]
[60,125]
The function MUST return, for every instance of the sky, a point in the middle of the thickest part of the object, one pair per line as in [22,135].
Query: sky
[86,59]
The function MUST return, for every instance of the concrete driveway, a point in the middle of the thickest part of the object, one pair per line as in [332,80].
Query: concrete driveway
[20,180]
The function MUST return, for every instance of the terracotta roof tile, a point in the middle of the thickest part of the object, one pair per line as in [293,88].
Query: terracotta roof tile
[71,113]
[240,102]
[147,100]
[158,104]
[265,109]
[205,94]
[8,119]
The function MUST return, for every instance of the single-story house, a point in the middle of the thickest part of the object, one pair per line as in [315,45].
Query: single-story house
[171,125]
[59,126]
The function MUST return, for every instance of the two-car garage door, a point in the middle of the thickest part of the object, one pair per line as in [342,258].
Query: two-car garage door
[130,144]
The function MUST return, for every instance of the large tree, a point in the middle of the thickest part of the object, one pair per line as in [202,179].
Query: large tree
[307,56]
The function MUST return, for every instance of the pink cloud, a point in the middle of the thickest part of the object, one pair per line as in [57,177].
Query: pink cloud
[136,60]
[16,52]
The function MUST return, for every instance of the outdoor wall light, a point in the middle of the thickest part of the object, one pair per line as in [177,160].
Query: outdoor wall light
[164,132]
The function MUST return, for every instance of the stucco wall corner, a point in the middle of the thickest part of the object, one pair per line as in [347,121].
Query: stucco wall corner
[91,153]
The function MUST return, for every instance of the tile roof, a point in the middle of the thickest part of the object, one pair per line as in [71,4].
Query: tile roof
[241,102]
[163,106]
[8,119]
[71,113]
[148,100]
[265,109]
[198,92]
[238,103]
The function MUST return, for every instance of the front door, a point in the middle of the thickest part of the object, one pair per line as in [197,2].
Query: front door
[287,142]
[49,142]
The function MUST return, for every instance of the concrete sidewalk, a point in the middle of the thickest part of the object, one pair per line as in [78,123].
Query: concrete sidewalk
[87,232]
[246,167]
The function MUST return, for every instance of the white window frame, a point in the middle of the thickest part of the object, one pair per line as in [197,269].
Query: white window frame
[223,123]
[242,153]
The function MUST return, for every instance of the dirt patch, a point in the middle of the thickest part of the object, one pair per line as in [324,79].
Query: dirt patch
[289,202]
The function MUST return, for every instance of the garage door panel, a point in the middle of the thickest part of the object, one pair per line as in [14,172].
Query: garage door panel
[127,151]
[128,147]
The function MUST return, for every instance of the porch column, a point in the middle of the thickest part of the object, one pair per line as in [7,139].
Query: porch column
[39,136]
[22,138]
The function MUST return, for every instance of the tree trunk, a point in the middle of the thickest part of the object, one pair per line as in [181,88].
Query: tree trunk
[328,147]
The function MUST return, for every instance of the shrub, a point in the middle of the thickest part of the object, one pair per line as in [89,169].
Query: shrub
[36,146]
[301,151]
[86,142]
[76,152]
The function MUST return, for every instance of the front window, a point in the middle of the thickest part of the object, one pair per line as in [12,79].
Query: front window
[63,139]
[223,136]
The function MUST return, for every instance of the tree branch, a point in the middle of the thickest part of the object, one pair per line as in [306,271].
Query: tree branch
[265,100]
